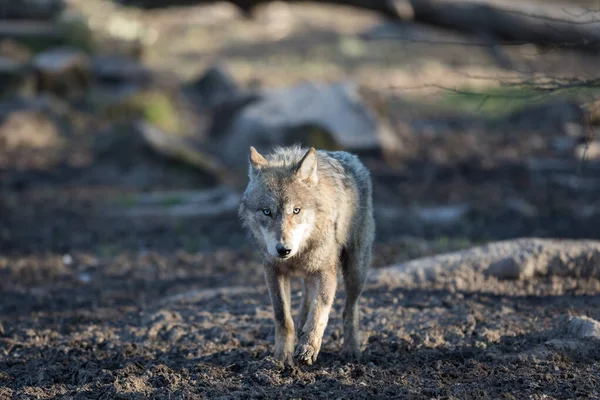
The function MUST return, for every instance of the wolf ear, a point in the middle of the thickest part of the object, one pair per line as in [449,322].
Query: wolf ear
[307,170]
[257,161]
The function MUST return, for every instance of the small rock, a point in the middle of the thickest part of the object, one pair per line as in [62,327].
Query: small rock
[480,345]
[63,71]
[59,59]
[67,259]
[85,277]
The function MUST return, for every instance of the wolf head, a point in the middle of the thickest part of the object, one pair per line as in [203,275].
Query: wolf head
[279,205]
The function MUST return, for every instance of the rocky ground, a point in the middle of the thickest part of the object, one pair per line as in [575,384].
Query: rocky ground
[101,300]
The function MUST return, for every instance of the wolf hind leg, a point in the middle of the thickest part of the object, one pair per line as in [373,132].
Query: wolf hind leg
[356,261]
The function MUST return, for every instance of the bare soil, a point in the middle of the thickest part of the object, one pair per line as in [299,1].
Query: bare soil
[93,306]
[140,326]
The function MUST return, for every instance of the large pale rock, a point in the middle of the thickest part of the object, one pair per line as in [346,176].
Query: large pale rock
[325,116]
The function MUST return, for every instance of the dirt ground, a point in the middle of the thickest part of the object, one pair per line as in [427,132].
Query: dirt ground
[94,306]
[149,325]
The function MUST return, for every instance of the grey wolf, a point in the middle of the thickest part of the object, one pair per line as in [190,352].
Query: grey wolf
[311,215]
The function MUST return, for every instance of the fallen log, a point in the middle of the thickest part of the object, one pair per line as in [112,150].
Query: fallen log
[183,150]
[517,259]
[382,6]
[211,203]
[521,22]
[31,9]
[527,22]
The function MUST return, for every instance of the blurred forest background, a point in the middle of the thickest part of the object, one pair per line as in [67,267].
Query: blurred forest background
[124,134]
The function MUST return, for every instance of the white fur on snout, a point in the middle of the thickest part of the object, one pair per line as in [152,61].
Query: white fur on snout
[297,236]
[294,239]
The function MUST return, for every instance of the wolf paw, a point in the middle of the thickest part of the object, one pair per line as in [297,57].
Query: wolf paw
[286,357]
[306,354]
[351,354]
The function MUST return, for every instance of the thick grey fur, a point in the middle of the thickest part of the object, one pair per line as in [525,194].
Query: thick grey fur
[320,208]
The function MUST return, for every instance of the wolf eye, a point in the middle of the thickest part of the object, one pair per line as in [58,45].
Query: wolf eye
[296,210]
[266,211]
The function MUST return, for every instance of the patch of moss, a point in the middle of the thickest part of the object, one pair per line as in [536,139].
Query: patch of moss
[155,106]
[487,101]
[321,139]
[501,100]
[113,105]
[313,135]
[161,111]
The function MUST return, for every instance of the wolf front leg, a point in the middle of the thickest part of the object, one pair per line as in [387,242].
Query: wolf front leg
[304,307]
[321,292]
[279,291]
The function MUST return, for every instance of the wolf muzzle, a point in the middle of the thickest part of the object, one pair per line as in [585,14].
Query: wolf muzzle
[282,250]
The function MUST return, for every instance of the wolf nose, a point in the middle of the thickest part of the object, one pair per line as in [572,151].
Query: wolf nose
[282,250]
